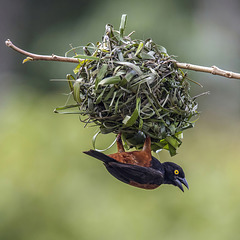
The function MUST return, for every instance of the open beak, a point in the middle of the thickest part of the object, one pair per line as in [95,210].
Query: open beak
[179,181]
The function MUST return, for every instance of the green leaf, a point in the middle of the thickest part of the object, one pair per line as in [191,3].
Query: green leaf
[130,75]
[140,124]
[110,93]
[112,101]
[81,62]
[86,57]
[76,69]
[76,91]
[123,25]
[172,150]
[101,74]
[139,49]
[172,145]
[129,121]
[110,80]
[172,129]
[120,56]
[162,49]
[70,78]
[56,110]
[99,98]
[146,56]
[131,65]
[116,104]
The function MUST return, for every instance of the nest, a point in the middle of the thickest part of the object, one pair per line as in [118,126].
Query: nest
[133,87]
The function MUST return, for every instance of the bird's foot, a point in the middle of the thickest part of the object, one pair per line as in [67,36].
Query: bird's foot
[120,144]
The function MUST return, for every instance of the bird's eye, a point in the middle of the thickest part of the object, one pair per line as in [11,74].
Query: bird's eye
[176,172]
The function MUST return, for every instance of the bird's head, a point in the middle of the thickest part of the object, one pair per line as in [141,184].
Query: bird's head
[174,175]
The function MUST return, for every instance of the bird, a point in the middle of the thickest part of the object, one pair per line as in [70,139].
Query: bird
[139,168]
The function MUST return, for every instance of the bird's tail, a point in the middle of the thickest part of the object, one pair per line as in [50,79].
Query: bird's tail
[100,156]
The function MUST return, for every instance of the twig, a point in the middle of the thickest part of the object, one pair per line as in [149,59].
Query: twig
[213,70]
[34,57]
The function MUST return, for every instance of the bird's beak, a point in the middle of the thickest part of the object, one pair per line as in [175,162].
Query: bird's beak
[179,181]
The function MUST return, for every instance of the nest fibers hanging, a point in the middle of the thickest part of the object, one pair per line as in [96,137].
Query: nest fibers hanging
[133,87]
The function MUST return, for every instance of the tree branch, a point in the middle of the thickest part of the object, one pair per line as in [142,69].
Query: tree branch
[34,57]
[213,70]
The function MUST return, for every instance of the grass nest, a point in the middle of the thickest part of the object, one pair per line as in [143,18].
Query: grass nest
[133,87]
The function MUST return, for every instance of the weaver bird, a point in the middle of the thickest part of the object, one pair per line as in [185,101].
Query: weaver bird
[140,168]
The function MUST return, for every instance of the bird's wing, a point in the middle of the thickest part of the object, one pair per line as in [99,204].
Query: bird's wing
[139,174]
[100,156]
[128,172]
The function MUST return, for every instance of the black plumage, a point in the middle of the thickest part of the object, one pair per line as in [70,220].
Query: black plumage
[147,177]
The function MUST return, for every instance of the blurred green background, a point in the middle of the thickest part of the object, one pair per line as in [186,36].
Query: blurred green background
[50,190]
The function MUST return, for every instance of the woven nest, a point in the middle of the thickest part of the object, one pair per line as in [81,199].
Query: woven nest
[133,87]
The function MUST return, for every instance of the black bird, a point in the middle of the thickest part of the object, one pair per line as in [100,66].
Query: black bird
[140,168]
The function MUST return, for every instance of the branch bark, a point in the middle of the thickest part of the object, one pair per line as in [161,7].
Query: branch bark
[213,70]
[34,57]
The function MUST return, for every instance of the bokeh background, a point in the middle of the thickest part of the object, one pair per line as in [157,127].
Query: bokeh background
[50,190]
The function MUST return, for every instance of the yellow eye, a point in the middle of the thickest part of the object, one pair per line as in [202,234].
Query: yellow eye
[176,172]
